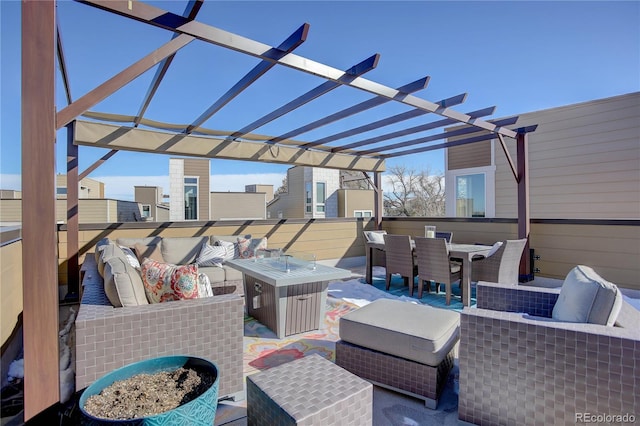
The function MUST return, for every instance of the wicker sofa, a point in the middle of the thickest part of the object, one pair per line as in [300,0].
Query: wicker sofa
[519,366]
[109,337]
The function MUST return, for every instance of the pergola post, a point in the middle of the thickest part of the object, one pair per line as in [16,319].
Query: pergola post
[524,219]
[39,241]
[377,202]
[73,270]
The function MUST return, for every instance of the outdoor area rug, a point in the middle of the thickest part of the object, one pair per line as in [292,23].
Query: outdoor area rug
[263,350]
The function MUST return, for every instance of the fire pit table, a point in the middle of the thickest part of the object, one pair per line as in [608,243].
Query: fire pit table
[286,294]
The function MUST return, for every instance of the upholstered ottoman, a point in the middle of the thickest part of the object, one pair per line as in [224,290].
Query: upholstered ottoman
[308,391]
[402,346]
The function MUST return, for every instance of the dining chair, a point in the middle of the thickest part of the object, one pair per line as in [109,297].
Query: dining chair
[502,266]
[432,256]
[399,259]
[447,235]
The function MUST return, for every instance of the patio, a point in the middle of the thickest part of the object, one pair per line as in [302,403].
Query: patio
[561,243]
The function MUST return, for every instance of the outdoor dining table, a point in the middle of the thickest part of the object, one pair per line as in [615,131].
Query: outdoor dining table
[461,252]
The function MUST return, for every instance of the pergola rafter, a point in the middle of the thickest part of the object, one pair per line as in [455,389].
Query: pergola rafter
[454,100]
[411,130]
[412,87]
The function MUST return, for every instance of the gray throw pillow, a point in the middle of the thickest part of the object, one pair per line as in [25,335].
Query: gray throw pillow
[588,298]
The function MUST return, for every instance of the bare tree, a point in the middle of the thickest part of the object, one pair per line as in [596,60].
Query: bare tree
[282,188]
[414,193]
[351,179]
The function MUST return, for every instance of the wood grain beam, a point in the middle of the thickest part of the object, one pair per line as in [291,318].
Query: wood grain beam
[39,237]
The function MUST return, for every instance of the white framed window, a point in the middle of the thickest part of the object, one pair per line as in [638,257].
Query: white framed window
[362,213]
[321,196]
[308,198]
[470,192]
[146,210]
[190,198]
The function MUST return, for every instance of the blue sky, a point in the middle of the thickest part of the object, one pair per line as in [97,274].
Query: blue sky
[519,56]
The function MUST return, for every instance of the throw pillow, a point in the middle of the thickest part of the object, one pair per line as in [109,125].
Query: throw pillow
[131,257]
[164,282]
[106,253]
[122,284]
[375,237]
[495,248]
[232,248]
[214,255]
[151,251]
[588,298]
[204,286]
[247,247]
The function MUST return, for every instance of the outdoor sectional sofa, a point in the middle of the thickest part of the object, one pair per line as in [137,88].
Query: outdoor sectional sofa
[520,366]
[109,337]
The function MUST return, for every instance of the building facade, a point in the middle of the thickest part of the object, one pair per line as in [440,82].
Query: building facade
[189,189]
[314,192]
[584,163]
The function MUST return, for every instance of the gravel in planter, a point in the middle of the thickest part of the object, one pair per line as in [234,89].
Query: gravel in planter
[146,395]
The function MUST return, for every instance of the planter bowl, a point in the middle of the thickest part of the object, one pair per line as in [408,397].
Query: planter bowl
[200,411]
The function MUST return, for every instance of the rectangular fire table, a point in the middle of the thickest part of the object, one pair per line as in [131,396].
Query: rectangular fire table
[286,294]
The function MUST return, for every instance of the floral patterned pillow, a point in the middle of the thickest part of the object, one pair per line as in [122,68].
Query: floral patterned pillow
[247,247]
[164,282]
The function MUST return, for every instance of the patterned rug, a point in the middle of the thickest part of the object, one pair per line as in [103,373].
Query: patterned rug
[263,350]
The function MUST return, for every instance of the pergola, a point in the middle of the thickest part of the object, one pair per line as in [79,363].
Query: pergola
[40,121]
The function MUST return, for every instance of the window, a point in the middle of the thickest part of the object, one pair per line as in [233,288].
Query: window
[362,213]
[61,190]
[190,198]
[321,196]
[308,198]
[470,195]
[146,210]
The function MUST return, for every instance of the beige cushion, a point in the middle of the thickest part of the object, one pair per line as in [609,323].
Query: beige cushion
[215,274]
[107,252]
[232,274]
[147,241]
[588,298]
[123,284]
[182,251]
[416,332]
[148,252]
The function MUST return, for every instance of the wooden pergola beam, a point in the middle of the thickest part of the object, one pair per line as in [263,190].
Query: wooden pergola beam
[349,75]
[454,100]
[63,66]
[66,115]
[170,21]
[39,272]
[412,87]
[411,130]
[190,13]
[286,47]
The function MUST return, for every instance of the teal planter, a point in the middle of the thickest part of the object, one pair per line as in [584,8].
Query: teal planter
[200,411]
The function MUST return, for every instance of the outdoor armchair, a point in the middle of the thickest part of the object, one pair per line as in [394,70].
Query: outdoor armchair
[520,366]
[501,266]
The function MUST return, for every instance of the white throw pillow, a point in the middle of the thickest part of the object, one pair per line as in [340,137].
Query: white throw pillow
[494,248]
[131,257]
[232,249]
[588,298]
[211,255]
[204,286]
[375,237]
